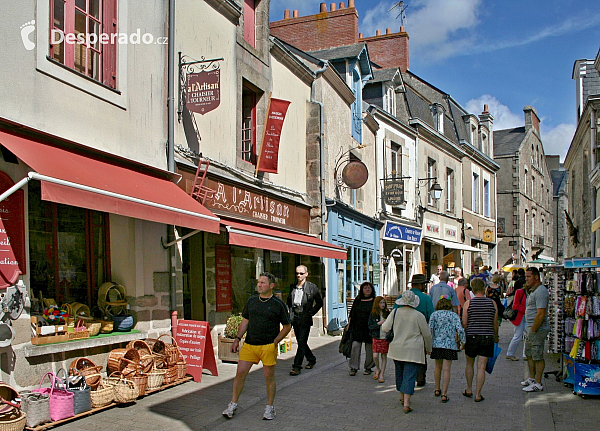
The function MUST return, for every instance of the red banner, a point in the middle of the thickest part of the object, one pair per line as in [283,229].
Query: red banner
[203,91]
[223,267]
[12,234]
[195,343]
[269,152]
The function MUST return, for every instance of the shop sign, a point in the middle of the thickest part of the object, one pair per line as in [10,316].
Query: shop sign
[512,243]
[269,151]
[393,192]
[376,273]
[397,232]
[242,203]
[450,232]
[203,91]
[12,234]
[223,278]
[195,343]
[432,228]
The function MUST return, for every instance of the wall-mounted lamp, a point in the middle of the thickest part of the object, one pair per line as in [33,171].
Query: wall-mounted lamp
[435,190]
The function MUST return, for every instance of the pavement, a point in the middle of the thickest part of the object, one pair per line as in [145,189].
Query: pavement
[327,398]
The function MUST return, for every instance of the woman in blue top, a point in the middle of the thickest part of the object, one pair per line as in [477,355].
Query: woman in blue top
[444,325]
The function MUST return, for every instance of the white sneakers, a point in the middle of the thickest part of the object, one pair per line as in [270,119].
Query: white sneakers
[527,382]
[512,358]
[269,413]
[534,387]
[229,412]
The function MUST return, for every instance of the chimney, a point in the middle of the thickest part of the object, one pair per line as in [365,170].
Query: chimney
[323,7]
[342,5]
[360,35]
[296,15]
[402,29]
[378,33]
[532,121]
[388,31]
[333,7]
[485,109]
[350,3]
[487,120]
[286,14]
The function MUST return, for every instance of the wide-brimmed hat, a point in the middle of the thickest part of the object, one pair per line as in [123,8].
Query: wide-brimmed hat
[408,298]
[418,279]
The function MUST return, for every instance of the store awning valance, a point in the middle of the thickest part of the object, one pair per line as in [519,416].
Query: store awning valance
[75,179]
[452,245]
[255,236]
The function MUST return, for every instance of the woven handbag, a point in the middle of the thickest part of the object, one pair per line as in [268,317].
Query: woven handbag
[171,351]
[81,392]
[102,396]
[37,408]
[126,391]
[61,401]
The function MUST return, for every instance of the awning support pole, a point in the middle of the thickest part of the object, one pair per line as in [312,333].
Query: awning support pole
[16,187]
[187,235]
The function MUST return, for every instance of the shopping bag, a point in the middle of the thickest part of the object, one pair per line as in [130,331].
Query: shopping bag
[491,361]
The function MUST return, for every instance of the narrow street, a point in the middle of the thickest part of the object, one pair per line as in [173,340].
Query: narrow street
[328,398]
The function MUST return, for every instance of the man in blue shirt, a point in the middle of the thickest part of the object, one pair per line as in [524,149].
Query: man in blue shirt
[442,288]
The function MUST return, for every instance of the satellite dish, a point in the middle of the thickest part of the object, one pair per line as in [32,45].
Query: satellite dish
[355,174]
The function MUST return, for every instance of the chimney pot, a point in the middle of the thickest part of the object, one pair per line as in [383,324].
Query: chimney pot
[323,7]
[333,7]
[286,14]
[388,31]
[350,3]
[360,35]
[402,29]
[378,33]
[342,5]
[485,109]
[296,15]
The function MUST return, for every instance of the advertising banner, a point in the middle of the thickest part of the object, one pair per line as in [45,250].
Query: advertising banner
[223,267]
[269,152]
[12,234]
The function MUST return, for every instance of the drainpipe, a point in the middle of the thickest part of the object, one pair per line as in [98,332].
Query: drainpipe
[171,158]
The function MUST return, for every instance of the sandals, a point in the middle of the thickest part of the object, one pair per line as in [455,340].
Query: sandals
[480,399]
[437,393]
[376,375]
[294,372]
[353,371]
[310,366]
[367,372]
[381,380]
[468,395]
[445,398]
[407,410]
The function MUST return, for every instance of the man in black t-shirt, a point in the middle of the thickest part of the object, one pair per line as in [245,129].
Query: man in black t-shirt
[262,315]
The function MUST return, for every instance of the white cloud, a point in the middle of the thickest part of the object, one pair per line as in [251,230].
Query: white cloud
[558,139]
[503,117]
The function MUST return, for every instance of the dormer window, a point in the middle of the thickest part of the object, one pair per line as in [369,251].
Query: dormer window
[389,101]
[437,111]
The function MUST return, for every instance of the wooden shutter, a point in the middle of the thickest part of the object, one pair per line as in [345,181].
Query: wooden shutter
[109,51]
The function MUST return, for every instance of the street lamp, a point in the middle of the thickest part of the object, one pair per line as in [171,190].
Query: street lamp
[435,190]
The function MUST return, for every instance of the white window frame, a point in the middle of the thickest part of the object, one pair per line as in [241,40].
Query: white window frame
[486,198]
[475,197]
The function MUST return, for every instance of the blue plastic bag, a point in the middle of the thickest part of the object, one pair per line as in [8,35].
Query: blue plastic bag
[491,361]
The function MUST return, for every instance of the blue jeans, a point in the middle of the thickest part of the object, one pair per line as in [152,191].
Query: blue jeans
[406,376]
[516,339]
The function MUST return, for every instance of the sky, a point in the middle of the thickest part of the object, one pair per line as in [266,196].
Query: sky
[507,54]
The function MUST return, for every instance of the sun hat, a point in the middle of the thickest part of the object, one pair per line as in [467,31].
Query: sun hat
[408,298]
[418,279]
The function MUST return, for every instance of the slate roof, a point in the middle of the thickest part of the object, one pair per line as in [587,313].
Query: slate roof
[508,141]
[559,178]
[346,51]
[384,75]
[418,107]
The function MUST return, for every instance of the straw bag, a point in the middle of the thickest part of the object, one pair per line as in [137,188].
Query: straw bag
[37,407]
[112,299]
[126,391]
[170,375]
[156,378]
[93,326]
[102,396]
[80,332]
[88,369]
[11,416]
[181,367]
[80,390]
[61,401]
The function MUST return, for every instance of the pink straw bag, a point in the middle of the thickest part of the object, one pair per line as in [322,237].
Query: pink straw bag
[61,401]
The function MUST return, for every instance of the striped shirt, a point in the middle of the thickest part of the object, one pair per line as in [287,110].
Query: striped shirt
[481,316]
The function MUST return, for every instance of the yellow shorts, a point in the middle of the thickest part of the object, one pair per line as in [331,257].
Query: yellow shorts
[266,353]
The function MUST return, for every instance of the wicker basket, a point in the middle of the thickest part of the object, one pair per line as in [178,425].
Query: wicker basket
[158,351]
[93,327]
[155,379]
[102,396]
[172,353]
[88,369]
[181,368]
[170,375]
[141,380]
[80,332]
[126,391]
[146,356]
[107,326]
[15,422]
[111,298]
[120,359]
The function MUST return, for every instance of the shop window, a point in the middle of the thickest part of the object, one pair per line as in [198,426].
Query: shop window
[250,22]
[249,100]
[68,249]
[82,37]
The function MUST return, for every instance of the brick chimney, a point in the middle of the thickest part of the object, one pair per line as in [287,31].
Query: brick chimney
[487,120]
[327,29]
[389,49]
[531,119]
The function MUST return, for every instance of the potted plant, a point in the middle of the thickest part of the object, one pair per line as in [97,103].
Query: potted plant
[226,340]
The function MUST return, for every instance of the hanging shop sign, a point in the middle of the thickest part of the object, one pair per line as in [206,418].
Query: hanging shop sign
[223,278]
[269,151]
[397,232]
[12,234]
[242,203]
[203,91]
[393,192]
[195,343]
[488,235]
[376,273]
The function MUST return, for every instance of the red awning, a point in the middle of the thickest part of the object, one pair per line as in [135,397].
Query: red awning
[254,236]
[75,179]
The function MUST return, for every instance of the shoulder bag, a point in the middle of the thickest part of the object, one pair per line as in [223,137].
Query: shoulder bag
[346,344]
[389,337]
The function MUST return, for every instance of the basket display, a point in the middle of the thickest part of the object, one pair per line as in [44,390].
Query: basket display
[123,323]
[80,332]
[120,359]
[170,375]
[106,326]
[141,381]
[181,368]
[37,408]
[158,351]
[111,298]
[172,353]
[77,309]
[125,389]
[14,422]
[88,369]
[155,379]
[146,356]
[93,327]
[102,396]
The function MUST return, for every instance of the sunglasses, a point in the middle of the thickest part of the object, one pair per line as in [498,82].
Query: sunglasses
[300,273]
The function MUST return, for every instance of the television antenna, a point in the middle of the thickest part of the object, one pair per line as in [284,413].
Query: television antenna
[400,5]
